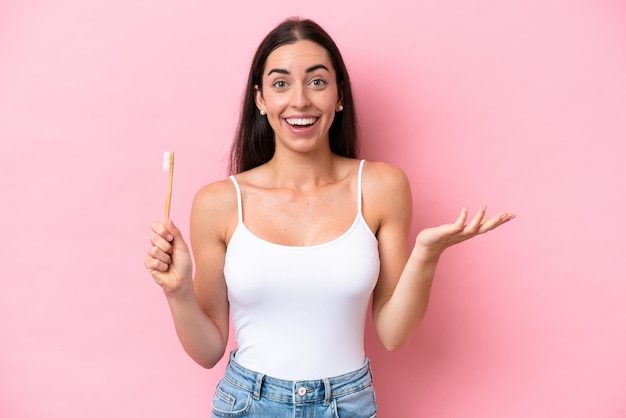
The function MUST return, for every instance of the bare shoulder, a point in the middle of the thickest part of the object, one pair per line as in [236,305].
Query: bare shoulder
[386,195]
[214,209]
[384,180]
[216,196]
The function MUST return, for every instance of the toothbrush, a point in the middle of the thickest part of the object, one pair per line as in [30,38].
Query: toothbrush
[168,165]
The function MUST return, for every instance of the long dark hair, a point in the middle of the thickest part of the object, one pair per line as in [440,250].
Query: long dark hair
[254,141]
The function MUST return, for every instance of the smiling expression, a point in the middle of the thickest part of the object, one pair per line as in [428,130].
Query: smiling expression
[300,96]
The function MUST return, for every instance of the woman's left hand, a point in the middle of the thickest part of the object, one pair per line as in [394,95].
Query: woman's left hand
[436,240]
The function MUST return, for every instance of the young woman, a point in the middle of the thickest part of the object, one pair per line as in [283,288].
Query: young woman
[295,243]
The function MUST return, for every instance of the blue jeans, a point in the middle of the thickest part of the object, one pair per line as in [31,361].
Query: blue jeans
[244,393]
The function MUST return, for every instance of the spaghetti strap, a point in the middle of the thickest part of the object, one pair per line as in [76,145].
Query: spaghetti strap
[239,204]
[359,186]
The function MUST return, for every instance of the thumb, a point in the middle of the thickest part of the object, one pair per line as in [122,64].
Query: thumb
[181,256]
[175,237]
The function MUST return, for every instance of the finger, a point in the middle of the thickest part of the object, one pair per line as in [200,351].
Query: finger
[160,243]
[161,229]
[496,221]
[155,266]
[169,224]
[460,221]
[177,238]
[156,253]
[475,225]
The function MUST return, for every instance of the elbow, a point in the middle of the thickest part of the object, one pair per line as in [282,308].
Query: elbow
[392,346]
[393,342]
[208,360]
[394,339]
[208,363]
[394,336]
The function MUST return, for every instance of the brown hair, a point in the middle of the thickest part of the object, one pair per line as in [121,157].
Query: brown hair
[254,140]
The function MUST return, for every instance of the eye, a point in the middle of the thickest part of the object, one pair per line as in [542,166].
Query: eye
[318,82]
[280,84]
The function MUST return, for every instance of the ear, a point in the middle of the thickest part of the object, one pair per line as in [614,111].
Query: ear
[258,98]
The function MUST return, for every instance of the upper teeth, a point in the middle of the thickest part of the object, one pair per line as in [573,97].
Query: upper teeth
[301,121]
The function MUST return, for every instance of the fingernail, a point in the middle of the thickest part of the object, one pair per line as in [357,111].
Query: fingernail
[169,237]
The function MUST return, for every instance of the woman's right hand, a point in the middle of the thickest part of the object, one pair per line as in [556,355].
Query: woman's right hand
[169,260]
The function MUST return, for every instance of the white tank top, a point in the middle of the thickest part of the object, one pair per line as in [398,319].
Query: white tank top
[299,312]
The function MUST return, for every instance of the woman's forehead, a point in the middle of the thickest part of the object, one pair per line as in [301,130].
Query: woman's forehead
[298,56]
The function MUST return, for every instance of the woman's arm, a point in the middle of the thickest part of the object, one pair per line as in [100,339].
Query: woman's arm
[199,307]
[403,290]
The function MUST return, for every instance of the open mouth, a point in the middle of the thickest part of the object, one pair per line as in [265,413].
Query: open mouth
[301,122]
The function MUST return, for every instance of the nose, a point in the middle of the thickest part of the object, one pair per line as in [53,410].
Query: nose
[300,98]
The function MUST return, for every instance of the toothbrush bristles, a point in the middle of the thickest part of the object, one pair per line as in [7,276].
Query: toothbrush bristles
[167,160]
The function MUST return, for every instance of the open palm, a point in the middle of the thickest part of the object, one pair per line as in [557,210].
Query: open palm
[439,238]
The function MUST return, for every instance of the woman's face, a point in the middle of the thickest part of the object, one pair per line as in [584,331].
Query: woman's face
[299,95]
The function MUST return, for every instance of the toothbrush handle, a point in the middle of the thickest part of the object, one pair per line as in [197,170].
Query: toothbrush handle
[168,197]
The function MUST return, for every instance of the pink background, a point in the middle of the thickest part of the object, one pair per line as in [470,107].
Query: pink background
[519,104]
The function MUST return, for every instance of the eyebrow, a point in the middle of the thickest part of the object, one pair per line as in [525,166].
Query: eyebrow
[308,70]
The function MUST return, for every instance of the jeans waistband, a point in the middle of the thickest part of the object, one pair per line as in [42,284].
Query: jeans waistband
[297,391]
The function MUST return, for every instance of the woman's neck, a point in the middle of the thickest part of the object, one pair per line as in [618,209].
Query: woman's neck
[304,171]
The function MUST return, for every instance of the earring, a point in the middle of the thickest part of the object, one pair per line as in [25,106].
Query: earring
[340,108]
[262,112]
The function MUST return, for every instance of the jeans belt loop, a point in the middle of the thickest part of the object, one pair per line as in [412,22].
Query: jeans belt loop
[327,392]
[258,385]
